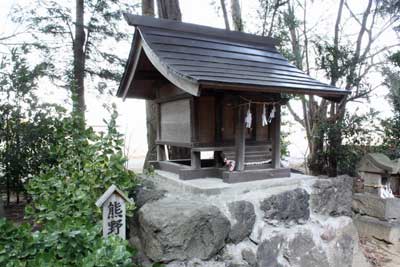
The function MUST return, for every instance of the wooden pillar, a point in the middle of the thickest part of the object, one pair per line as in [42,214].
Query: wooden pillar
[218,119]
[276,138]
[160,148]
[240,136]
[218,159]
[161,152]
[195,160]
[194,121]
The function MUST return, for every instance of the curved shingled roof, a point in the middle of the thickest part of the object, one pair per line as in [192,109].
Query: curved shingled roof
[195,57]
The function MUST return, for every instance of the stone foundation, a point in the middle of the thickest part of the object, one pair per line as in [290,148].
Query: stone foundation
[377,217]
[301,221]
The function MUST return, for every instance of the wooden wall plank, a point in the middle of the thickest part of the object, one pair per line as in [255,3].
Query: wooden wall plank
[176,121]
[205,109]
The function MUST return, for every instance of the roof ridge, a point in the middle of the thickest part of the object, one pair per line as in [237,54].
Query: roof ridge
[137,20]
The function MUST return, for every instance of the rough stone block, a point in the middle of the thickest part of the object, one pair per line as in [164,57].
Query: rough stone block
[245,217]
[382,230]
[299,251]
[147,192]
[172,229]
[343,251]
[249,256]
[289,206]
[374,206]
[332,196]
[302,251]
[268,251]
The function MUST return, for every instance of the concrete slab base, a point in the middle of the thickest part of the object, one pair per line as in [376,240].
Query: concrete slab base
[250,173]
[214,186]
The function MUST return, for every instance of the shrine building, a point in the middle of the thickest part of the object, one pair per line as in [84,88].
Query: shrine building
[216,91]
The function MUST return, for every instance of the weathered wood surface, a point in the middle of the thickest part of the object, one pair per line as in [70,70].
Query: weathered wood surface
[185,174]
[171,143]
[254,175]
[206,126]
[252,153]
[113,206]
[175,121]
[169,166]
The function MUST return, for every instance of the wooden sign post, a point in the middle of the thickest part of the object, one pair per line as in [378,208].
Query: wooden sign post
[113,205]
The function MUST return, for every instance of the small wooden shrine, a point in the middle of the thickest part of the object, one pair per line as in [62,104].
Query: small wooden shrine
[217,91]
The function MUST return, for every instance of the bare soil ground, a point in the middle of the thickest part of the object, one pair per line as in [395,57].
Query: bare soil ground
[15,212]
[379,253]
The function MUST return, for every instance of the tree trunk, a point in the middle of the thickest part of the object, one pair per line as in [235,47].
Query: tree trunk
[225,14]
[151,106]
[236,16]
[148,8]
[151,124]
[167,9]
[316,156]
[79,60]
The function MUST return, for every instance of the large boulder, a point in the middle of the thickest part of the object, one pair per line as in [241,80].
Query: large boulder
[332,196]
[147,191]
[173,229]
[268,251]
[302,251]
[298,251]
[344,249]
[249,256]
[289,206]
[245,217]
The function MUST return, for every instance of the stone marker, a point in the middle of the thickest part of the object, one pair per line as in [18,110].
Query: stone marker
[114,211]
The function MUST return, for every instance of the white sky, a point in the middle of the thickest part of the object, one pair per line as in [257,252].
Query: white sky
[132,119]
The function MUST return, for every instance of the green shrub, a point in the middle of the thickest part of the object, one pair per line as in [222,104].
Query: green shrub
[66,245]
[26,125]
[85,164]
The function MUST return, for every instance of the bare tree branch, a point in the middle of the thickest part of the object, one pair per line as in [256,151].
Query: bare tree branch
[225,14]
[236,15]
[295,116]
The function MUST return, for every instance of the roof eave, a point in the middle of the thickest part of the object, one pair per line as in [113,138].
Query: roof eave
[130,66]
[335,95]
